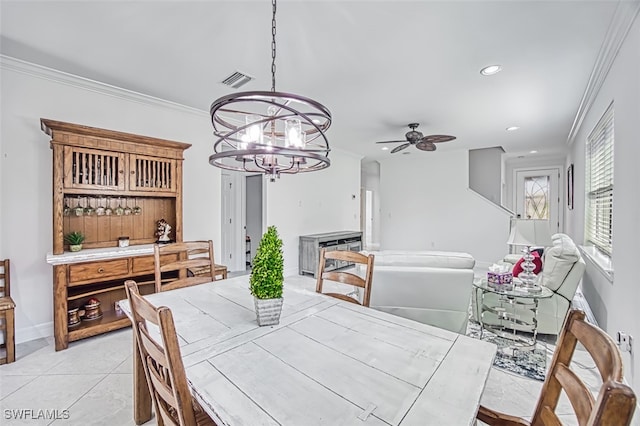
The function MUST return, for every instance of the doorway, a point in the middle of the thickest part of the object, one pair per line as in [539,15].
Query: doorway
[228,230]
[242,208]
[366,216]
[253,217]
[537,195]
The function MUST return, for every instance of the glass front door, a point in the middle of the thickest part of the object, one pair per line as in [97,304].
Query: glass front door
[538,196]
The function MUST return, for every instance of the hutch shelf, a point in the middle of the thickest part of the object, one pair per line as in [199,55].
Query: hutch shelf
[107,185]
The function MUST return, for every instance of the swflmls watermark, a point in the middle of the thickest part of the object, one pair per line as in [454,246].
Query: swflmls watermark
[35,414]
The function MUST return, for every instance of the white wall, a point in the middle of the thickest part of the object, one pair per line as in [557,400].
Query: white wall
[426,205]
[615,304]
[308,203]
[29,93]
[485,172]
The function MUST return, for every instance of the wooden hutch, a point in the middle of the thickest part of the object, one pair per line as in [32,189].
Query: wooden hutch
[107,185]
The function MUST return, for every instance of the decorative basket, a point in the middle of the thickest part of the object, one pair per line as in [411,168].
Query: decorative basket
[501,281]
[499,278]
[268,311]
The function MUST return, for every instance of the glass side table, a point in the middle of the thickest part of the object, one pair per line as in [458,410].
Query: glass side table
[506,307]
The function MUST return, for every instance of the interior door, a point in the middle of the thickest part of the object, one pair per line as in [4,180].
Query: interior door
[227,220]
[366,216]
[253,212]
[537,196]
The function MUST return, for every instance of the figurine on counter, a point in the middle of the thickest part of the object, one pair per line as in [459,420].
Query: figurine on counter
[163,232]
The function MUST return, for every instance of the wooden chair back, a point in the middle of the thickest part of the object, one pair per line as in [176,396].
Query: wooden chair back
[161,360]
[7,315]
[345,277]
[5,279]
[174,264]
[615,401]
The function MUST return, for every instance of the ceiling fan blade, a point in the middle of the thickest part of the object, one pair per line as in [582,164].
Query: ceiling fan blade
[438,138]
[392,141]
[426,146]
[400,147]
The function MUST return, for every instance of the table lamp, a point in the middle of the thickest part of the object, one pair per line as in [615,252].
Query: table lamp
[527,233]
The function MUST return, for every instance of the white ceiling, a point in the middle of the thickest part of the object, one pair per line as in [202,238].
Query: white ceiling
[377,65]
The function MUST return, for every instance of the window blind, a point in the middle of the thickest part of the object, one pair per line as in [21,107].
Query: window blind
[599,184]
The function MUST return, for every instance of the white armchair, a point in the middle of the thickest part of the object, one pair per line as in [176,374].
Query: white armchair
[562,270]
[430,287]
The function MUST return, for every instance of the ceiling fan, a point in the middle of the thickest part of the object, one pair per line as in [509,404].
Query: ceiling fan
[414,137]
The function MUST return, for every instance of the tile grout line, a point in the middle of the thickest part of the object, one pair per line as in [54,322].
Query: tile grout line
[83,395]
[19,387]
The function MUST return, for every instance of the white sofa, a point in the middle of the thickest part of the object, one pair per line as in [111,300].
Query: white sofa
[431,287]
[562,270]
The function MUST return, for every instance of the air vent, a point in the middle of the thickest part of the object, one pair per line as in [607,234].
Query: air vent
[237,79]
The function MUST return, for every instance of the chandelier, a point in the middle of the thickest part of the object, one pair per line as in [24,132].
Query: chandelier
[270,132]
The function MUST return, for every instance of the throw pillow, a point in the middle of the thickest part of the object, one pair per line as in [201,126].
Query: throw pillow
[539,250]
[537,261]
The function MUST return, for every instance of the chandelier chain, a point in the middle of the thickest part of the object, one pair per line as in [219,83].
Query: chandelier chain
[270,132]
[273,47]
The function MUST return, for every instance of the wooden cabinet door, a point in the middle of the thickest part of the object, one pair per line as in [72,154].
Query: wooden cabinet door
[93,169]
[152,174]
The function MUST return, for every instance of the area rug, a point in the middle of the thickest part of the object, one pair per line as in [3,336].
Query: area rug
[528,363]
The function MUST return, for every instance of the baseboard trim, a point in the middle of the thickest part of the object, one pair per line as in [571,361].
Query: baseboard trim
[39,331]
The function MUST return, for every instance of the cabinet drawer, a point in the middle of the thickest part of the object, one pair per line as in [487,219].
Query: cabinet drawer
[144,264]
[109,269]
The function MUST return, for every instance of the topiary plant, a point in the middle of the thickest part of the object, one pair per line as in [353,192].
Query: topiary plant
[267,273]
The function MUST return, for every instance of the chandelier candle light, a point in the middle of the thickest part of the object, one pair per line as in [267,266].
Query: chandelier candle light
[270,132]
[528,233]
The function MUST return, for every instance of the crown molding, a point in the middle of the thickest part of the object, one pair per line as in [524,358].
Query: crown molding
[28,68]
[17,65]
[623,18]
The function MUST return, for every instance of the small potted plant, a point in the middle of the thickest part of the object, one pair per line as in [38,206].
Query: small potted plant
[267,276]
[75,240]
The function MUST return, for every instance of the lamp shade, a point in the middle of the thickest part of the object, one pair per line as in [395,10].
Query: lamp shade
[530,232]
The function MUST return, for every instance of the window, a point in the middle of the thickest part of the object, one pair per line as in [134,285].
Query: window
[536,198]
[599,184]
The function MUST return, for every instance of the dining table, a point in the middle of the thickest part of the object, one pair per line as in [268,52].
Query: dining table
[327,361]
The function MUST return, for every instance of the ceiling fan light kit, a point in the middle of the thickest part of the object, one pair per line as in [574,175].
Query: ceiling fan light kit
[416,138]
[270,132]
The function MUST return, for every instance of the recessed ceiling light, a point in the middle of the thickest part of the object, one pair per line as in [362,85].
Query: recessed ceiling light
[512,128]
[385,148]
[533,152]
[491,70]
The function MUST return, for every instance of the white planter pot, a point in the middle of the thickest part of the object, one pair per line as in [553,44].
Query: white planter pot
[268,311]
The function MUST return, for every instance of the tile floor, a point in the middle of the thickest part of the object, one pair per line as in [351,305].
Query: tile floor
[92,381]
